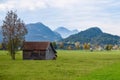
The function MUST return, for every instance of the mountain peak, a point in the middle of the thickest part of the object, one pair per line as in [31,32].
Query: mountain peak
[63,29]
[65,32]
[40,23]
[97,29]
[91,32]
[37,24]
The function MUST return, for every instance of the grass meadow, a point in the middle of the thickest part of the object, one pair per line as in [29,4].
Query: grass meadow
[70,65]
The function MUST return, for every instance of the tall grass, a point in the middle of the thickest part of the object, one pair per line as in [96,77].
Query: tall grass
[70,65]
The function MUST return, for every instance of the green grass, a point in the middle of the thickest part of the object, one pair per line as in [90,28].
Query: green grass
[70,65]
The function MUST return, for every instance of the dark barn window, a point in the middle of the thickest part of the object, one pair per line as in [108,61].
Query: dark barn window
[38,51]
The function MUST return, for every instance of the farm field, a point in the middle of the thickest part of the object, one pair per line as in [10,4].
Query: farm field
[70,65]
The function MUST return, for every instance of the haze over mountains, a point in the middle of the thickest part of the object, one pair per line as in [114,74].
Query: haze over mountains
[64,32]
[40,32]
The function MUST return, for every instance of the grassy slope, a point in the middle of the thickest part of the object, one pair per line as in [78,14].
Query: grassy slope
[70,65]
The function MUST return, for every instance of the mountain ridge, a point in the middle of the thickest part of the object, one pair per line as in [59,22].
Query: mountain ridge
[93,35]
[40,32]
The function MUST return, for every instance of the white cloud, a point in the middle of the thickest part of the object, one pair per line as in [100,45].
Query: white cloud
[64,4]
[79,14]
[61,3]
[39,4]
[35,4]
[22,4]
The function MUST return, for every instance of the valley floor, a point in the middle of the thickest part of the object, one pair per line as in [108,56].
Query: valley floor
[70,65]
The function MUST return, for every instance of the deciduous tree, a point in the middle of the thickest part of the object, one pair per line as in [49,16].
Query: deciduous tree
[86,46]
[14,32]
[108,47]
[77,45]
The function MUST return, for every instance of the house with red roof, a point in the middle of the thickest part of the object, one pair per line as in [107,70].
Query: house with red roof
[39,51]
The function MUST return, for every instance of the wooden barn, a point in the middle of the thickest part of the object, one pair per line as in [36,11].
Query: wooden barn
[38,51]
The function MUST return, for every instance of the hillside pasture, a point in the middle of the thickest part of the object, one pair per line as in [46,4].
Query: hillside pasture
[70,65]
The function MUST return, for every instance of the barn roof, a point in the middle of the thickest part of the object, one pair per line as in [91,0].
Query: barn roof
[37,46]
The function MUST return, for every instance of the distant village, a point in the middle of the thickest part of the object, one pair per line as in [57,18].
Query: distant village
[85,46]
[77,46]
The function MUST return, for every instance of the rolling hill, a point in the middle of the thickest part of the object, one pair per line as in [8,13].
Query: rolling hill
[94,35]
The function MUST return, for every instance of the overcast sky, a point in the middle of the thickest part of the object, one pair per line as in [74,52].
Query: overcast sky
[72,14]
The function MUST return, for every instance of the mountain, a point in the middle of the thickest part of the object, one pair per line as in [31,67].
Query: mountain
[64,32]
[40,32]
[94,35]
[75,31]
